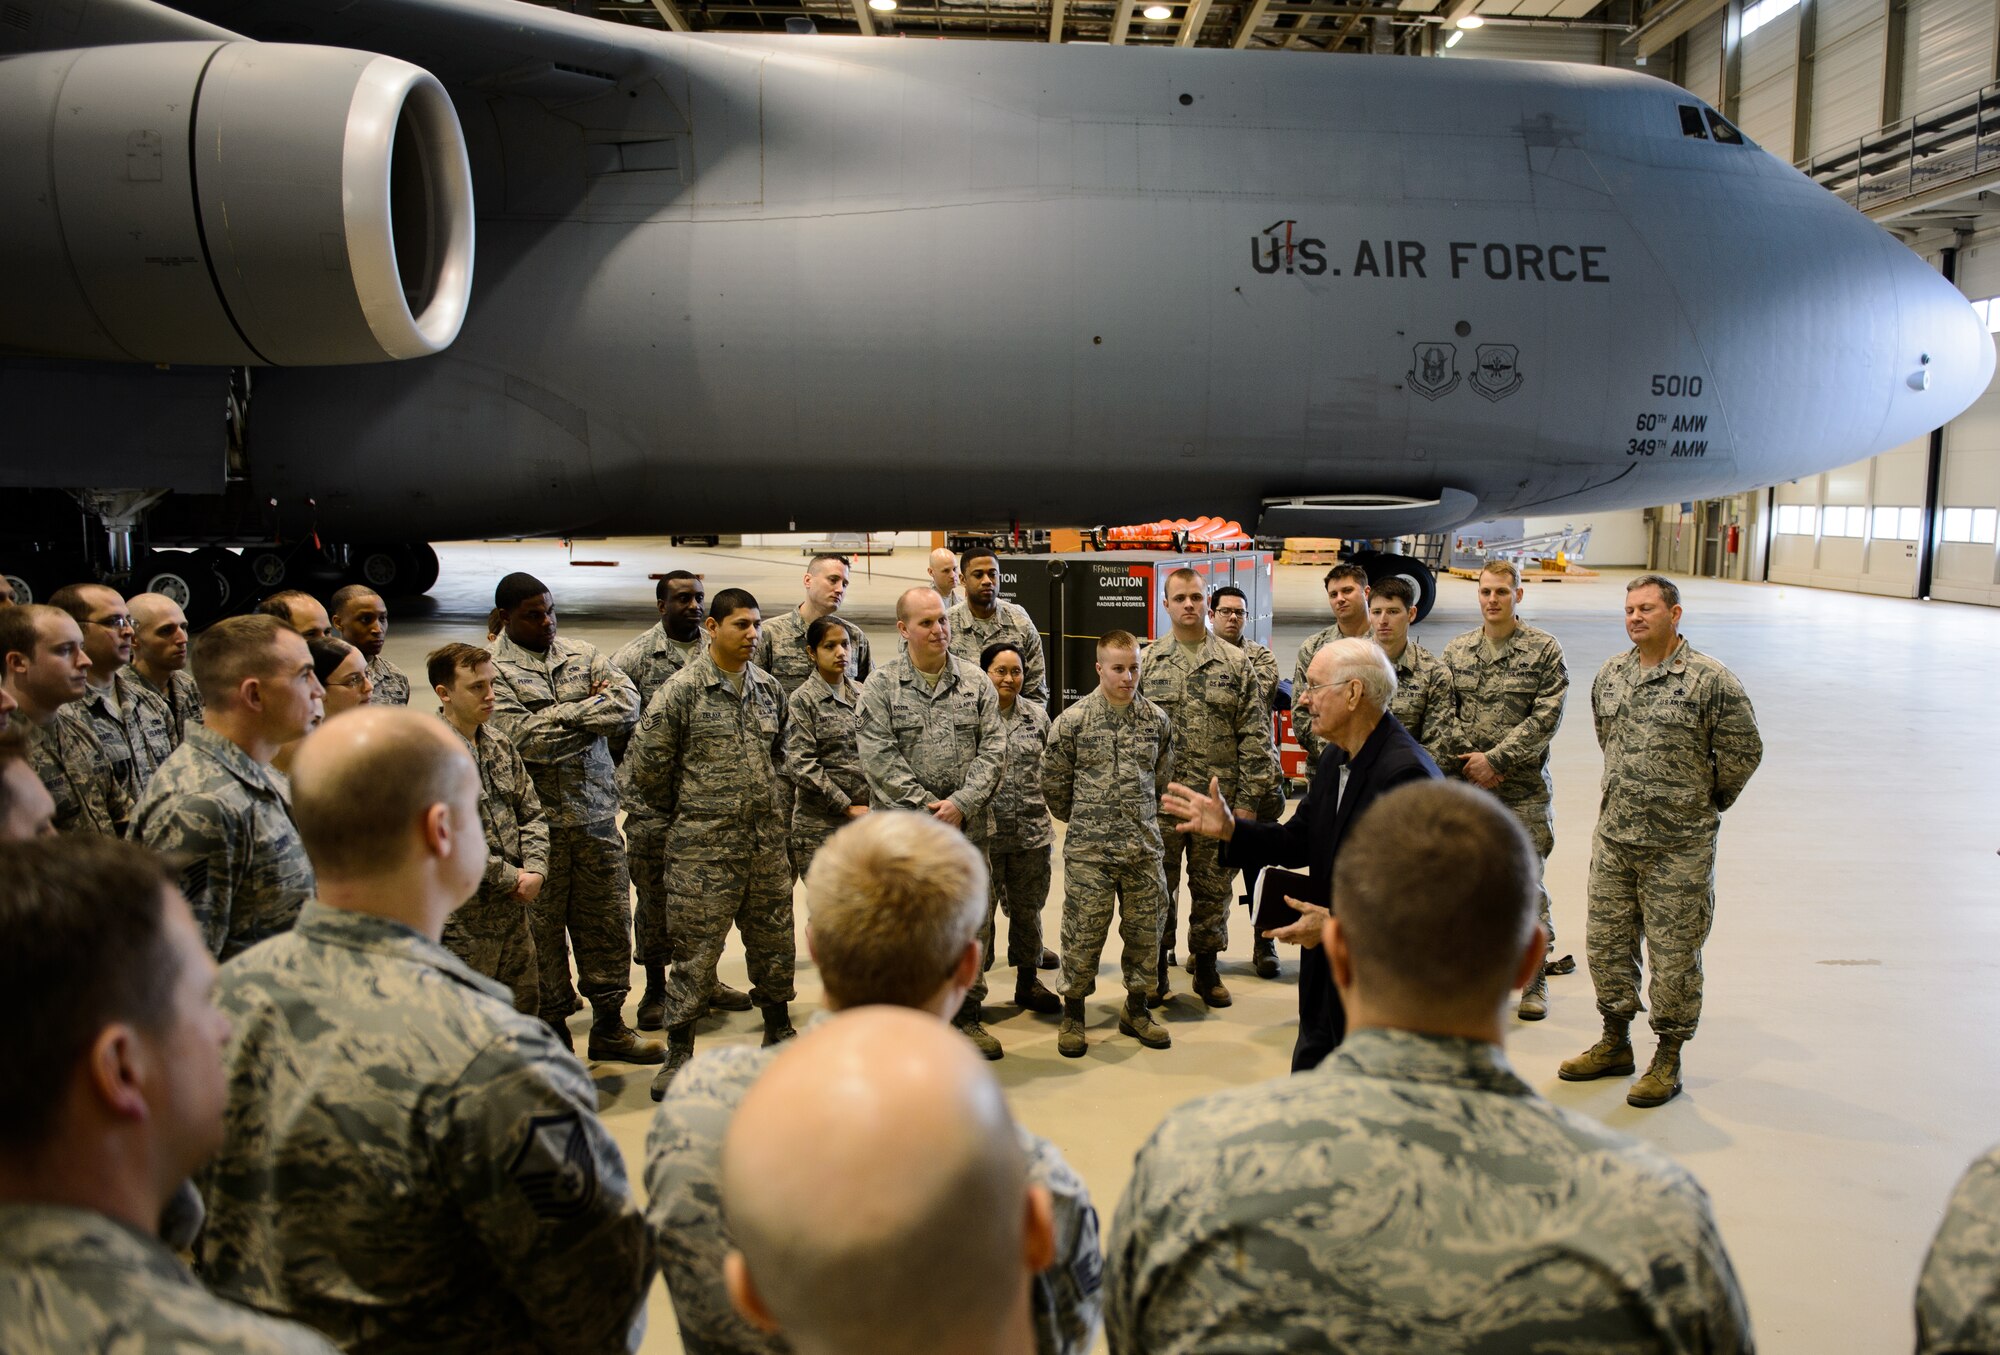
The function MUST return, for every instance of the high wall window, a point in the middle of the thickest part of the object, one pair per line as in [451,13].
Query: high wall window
[1844,520]
[1763,12]
[1970,526]
[1898,524]
[1796,519]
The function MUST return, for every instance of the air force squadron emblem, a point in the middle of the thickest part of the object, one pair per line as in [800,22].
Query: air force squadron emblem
[1436,371]
[1497,371]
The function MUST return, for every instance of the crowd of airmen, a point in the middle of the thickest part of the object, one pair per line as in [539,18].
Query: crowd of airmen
[399,1150]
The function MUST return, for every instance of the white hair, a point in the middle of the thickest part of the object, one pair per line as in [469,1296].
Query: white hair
[1364,659]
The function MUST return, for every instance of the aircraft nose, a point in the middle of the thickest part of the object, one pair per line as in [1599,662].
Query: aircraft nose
[1946,353]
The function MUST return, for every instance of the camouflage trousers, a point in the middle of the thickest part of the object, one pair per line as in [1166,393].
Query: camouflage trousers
[809,833]
[1021,890]
[586,899]
[1092,885]
[1662,895]
[752,890]
[1538,816]
[493,936]
[646,849]
[1208,892]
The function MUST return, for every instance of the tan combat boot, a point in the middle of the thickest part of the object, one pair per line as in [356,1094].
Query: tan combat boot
[1661,1082]
[1611,1056]
[1069,1039]
[1137,1022]
[971,1025]
[1535,999]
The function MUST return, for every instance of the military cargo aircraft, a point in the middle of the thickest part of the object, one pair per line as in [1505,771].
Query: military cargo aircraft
[368,274]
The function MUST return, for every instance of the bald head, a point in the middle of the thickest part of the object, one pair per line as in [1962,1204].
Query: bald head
[876,1189]
[943,570]
[160,632]
[369,789]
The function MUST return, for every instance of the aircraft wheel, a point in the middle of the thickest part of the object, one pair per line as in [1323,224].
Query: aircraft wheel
[239,585]
[426,576]
[387,567]
[271,569]
[34,575]
[1419,575]
[181,575]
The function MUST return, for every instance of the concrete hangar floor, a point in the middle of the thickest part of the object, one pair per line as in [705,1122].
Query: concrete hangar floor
[1844,1072]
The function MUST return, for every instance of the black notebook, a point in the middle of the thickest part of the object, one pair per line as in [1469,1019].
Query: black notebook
[1268,907]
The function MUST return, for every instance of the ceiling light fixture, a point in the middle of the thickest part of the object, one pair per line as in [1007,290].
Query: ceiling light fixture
[1452,41]
[1157,12]
[1471,21]
[883,5]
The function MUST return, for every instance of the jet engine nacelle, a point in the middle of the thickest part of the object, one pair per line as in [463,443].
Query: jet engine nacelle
[230,203]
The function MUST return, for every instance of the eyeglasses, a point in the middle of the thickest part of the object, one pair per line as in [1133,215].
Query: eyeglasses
[355,683]
[112,622]
[1312,687]
[1230,611]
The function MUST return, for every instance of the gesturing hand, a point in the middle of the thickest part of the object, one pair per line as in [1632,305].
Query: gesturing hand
[1208,814]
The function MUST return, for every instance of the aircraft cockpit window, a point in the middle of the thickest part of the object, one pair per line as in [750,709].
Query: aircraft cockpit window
[1725,134]
[1691,122]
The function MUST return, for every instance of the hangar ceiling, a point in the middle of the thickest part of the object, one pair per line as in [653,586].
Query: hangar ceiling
[1407,27]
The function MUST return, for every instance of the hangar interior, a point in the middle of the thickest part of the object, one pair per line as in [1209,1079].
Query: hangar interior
[1841,1082]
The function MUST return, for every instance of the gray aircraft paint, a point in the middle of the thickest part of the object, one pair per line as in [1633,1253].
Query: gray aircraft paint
[762,283]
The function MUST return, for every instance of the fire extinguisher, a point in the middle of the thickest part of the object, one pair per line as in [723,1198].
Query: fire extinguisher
[1735,537]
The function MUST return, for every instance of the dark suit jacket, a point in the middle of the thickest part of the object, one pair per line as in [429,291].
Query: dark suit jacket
[1312,838]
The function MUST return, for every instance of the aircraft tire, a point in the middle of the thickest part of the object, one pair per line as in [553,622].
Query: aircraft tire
[427,566]
[34,575]
[239,585]
[186,578]
[1382,566]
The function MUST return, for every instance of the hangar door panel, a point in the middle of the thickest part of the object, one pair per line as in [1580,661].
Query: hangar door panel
[1765,111]
[1704,61]
[1949,51]
[1852,37]
[1856,528]
[1968,559]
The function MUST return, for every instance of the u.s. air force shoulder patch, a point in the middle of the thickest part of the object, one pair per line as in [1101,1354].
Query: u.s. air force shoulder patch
[555,1169]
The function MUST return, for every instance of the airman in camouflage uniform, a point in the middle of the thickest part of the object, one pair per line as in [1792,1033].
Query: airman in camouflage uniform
[1508,684]
[133,726]
[649,661]
[77,770]
[1328,1212]
[72,1280]
[159,661]
[1958,1293]
[1347,595]
[931,741]
[706,760]
[491,933]
[823,762]
[1680,742]
[409,1163]
[1023,838]
[691,1238]
[559,703]
[1106,765]
[1424,702]
[247,874]
[1005,621]
[1222,729]
[781,640]
[361,618]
